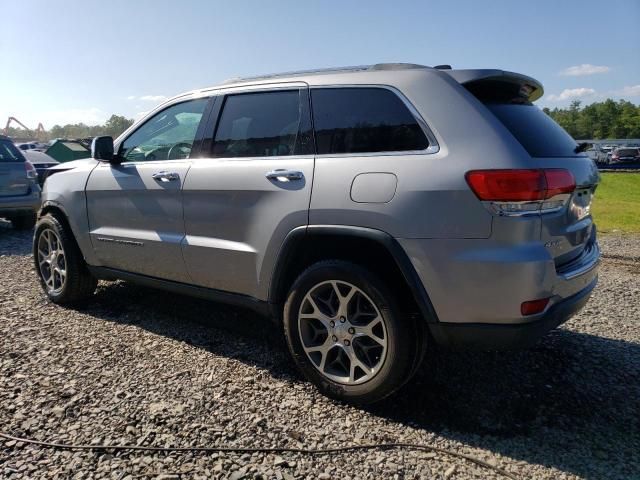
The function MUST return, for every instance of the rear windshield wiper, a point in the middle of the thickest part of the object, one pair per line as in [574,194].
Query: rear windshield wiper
[582,147]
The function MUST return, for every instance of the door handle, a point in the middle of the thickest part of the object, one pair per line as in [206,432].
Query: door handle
[282,175]
[165,176]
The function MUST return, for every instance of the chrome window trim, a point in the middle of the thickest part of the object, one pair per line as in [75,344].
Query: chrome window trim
[244,159]
[434,146]
[258,87]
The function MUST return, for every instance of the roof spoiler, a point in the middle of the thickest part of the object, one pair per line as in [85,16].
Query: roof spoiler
[521,85]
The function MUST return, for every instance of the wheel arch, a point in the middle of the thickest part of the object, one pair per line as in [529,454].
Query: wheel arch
[304,246]
[53,207]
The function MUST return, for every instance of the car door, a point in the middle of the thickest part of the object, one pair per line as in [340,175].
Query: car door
[250,188]
[135,206]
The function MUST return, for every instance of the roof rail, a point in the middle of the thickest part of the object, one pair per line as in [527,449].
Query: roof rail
[359,68]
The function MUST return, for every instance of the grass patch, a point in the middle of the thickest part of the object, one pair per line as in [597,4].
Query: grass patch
[616,205]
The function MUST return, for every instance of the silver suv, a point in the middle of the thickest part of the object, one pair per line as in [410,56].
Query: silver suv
[369,211]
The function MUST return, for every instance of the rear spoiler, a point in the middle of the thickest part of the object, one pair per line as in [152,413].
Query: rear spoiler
[486,83]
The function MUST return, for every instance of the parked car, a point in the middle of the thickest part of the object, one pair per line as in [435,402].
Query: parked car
[19,190]
[357,208]
[38,146]
[625,155]
[41,161]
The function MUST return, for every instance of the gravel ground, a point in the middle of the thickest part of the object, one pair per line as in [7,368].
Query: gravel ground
[142,367]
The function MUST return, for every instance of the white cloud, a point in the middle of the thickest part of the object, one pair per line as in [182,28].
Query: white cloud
[629,91]
[569,93]
[149,98]
[584,69]
[153,98]
[139,115]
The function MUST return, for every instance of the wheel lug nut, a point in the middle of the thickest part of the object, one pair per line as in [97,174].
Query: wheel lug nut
[332,323]
[347,342]
[342,319]
[334,338]
[352,330]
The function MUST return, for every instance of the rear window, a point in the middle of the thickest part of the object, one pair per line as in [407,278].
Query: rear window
[627,152]
[364,120]
[9,152]
[538,133]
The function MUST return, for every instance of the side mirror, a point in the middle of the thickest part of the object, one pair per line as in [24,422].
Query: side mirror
[102,148]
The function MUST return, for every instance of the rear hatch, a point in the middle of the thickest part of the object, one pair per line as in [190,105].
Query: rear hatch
[13,175]
[568,232]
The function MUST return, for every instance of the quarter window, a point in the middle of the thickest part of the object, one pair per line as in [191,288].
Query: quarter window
[261,124]
[168,135]
[364,120]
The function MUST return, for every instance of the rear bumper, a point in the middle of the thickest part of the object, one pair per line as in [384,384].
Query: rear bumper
[20,205]
[486,336]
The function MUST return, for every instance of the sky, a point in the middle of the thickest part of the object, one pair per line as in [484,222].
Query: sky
[69,61]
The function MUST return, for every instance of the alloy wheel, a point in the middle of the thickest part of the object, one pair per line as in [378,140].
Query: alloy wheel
[342,332]
[52,260]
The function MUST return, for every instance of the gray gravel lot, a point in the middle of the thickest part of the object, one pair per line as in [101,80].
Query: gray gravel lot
[142,367]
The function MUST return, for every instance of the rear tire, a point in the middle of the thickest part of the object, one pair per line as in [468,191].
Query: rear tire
[24,222]
[347,334]
[61,268]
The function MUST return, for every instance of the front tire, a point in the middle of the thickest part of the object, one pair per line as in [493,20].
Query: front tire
[59,263]
[347,334]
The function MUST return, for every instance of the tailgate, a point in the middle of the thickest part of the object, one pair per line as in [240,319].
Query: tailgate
[13,179]
[569,233]
[13,175]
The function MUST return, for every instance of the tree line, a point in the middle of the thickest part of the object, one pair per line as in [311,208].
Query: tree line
[608,119]
[113,127]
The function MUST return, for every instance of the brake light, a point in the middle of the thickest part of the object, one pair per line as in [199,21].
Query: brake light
[518,192]
[559,181]
[30,169]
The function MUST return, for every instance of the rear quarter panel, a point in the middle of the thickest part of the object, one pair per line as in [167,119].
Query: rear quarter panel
[432,198]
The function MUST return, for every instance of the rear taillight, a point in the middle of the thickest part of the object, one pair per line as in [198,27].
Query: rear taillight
[30,169]
[520,192]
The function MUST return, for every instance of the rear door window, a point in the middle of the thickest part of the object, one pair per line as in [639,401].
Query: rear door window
[364,120]
[9,152]
[538,133]
[263,124]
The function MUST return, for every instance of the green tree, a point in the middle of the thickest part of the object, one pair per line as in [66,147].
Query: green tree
[116,125]
[607,119]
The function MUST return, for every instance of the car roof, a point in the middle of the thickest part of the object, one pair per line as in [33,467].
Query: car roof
[360,74]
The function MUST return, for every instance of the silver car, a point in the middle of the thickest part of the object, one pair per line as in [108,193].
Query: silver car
[19,190]
[370,212]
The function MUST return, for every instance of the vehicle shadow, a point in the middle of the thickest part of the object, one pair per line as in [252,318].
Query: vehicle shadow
[14,242]
[571,402]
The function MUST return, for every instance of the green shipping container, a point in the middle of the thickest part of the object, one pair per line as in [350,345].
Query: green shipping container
[66,151]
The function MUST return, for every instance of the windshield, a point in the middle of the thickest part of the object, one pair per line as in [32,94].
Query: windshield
[9,152]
